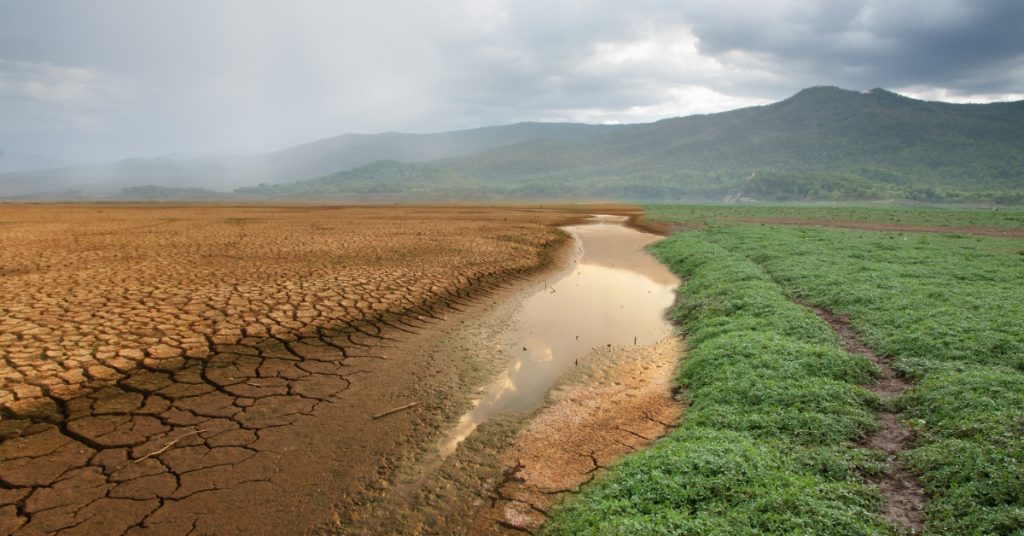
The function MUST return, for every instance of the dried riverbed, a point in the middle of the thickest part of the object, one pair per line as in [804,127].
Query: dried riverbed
[207,369]
[583,362]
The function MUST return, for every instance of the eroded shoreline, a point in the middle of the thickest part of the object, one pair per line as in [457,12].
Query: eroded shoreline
[613,398]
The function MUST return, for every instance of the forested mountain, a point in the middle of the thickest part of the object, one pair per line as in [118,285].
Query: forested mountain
[822,143]
[295,163]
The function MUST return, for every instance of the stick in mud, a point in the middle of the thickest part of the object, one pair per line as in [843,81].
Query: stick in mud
[167,446]
[396,410]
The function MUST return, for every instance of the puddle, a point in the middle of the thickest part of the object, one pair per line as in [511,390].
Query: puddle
[614,295]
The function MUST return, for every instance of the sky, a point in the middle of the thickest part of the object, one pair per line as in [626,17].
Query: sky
[106,79]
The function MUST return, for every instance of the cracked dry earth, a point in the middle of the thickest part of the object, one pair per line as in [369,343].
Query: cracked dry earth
[211,369]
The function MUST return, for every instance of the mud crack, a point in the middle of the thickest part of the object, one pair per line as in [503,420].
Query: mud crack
[154,370]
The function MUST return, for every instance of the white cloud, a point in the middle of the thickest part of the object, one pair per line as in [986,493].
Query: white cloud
[670,102]
[946,94]
[665,50]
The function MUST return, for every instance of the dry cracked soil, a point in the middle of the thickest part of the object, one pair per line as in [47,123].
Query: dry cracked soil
[216,370]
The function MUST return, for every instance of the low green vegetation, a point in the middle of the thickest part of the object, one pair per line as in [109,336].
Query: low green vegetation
[951,309]
[766,444]
[882,215]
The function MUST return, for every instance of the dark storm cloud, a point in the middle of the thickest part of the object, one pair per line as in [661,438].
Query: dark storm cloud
[888,43]
[111,78]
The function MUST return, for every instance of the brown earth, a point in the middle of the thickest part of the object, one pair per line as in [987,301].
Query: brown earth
[507,476]
[212,369]
[622,404]
[904,497]
[515,467]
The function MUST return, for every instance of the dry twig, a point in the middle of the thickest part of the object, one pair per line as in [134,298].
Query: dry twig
[168,445]
[396,410]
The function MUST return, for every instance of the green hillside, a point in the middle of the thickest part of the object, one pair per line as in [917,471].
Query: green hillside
[823,143]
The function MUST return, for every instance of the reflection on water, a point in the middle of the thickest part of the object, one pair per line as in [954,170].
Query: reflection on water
[616,294]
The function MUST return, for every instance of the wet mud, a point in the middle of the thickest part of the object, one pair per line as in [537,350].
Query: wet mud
[583,363]
[620,404]
[614,294]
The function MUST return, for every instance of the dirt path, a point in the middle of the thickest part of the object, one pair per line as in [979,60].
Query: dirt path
[903,494]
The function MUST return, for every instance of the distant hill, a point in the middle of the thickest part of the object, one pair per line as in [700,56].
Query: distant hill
[823,143]
[302,161]
[11,161]
[162,193]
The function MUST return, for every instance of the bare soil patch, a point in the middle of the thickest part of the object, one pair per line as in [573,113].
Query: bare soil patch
[211,369]
[638,220]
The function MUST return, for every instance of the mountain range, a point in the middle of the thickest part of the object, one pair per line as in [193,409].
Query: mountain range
[824,143]
[314,159]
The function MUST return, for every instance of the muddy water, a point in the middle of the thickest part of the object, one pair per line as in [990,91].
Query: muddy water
[615,294]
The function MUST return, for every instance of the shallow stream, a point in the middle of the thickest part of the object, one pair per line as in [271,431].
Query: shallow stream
[615,294]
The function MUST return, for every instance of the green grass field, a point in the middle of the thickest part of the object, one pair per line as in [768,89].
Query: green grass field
[934,217]
[767,446]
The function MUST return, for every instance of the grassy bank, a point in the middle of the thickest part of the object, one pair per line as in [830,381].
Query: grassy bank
[951,309]
[766,445]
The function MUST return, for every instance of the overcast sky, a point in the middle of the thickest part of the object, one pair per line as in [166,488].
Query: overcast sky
[101,79]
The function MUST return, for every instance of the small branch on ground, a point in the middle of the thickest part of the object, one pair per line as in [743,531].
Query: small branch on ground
[168,445]
[396,410]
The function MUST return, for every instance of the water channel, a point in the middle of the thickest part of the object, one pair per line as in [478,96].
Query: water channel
[615,294]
